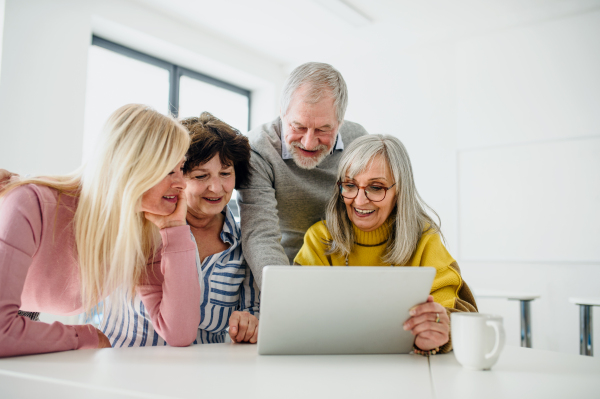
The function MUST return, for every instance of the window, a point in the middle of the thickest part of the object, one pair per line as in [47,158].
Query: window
[118,75]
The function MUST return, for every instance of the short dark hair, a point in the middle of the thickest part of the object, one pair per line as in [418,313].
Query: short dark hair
[210,136]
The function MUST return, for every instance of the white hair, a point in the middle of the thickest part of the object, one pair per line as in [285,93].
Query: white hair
[408,218]
[321,80]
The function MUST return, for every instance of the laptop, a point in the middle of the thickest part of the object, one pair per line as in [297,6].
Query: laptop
[320,310]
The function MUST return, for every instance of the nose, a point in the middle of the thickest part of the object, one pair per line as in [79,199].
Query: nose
[361,198]
[178,181]
[310,141]
[214,185]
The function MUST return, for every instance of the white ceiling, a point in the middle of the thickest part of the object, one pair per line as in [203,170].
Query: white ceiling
[294,31]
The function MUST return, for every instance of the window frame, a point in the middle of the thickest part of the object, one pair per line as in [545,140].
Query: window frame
[175,74]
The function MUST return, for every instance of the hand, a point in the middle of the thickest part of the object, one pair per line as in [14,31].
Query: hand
[103,341]
[429,334]
[243,327]
[7,177]
[177,218]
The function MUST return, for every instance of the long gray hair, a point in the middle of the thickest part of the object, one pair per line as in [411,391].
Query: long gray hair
[322,80]
[408,219]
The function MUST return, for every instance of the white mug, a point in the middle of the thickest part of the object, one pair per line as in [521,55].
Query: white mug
[477,339]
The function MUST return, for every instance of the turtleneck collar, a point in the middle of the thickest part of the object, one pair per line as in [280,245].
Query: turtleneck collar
[372,238]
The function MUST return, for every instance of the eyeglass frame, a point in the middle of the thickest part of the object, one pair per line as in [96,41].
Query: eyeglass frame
[339,183]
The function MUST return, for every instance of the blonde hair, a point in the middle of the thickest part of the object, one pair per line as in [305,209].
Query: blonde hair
[408,219]
[138,148]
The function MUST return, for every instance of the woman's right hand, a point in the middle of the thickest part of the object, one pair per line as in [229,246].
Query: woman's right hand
[103,341]
[177,218]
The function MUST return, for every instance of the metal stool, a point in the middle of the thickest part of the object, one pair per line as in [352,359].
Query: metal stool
[586,338]
[525,302]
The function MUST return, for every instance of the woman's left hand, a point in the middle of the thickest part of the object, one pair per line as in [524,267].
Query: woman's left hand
[177,218]
[429,334]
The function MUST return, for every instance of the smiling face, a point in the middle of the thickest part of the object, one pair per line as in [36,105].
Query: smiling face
[364,213]
[310,129]
[209,188]
[162,198]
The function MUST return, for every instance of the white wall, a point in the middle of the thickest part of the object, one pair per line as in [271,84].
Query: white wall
[44,64]
[503,130]
[2,4]
[528,142]
[42,87]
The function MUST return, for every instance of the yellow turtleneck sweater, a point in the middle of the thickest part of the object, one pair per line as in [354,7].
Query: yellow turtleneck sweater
[448,288]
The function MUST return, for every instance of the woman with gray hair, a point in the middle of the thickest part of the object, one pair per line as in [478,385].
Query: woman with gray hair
[376,217]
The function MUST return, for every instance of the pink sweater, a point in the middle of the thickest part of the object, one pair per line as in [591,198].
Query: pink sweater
[39,273]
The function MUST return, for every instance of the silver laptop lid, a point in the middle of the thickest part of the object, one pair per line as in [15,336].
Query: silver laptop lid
[339,310]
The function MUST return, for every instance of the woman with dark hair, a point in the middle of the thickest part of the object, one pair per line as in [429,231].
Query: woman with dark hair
[217,161]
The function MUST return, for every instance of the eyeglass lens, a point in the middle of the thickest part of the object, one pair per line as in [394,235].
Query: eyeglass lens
[373,193]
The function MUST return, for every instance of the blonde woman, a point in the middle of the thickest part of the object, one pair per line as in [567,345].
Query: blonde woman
[118,224]
[375,217]
[217,161]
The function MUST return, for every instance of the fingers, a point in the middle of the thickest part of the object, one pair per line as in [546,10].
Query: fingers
[254,338]
[177,218]
[243,327]
[103,341]
[234,322]
[427,307]
[238,326]
[429,323]
[252,329]
[424,318]
[181,209]
[430,340]
[7,177]
[429,326]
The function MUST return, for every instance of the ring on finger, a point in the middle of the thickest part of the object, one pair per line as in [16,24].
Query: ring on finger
[437,319]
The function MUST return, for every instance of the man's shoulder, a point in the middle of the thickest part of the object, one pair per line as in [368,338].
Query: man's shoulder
[267,135]
[351,131]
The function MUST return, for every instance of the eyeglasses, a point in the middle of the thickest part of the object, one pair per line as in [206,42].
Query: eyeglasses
[373,193]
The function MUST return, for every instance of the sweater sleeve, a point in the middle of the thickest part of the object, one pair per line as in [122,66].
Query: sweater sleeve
[261,235]
[448,289]
[171,292]
[250,294]
[20,237]
[313,250]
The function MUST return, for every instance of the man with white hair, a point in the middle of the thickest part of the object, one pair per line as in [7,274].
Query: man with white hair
[294,164]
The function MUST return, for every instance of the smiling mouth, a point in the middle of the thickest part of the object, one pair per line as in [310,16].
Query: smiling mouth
[309,153]
[364,212]
[170,198]
[213,200]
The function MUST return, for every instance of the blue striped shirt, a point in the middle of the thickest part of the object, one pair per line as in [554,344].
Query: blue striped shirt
[226,285]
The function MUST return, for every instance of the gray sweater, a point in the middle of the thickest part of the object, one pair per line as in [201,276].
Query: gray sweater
[282,200]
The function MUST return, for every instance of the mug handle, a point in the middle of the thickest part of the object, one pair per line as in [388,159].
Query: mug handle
[496,325]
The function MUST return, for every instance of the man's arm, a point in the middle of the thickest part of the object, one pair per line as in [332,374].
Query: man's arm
[261,236]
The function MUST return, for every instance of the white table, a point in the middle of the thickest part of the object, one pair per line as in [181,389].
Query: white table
[237,371]
[525,299]
[519,373]
[211,371]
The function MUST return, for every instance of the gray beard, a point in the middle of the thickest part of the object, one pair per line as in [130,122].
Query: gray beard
[306,162]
